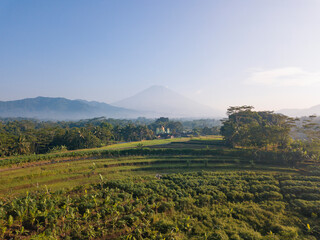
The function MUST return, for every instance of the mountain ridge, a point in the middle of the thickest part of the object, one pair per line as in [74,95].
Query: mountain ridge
[292,112]
[58,108]
[155,101]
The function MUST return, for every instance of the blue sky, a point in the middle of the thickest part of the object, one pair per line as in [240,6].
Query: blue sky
[263,53]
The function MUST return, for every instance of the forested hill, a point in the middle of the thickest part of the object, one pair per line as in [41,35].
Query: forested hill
[61,109]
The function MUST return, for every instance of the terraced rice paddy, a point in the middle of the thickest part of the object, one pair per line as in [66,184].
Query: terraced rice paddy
[171,189]
[67,173]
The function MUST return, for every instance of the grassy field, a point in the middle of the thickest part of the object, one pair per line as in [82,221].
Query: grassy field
[145,143]
[70,172]
[112,193]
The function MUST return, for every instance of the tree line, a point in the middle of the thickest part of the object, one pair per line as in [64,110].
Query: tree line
[244,128]
[22,136]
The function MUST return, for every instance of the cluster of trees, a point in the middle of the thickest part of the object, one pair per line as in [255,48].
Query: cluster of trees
[175,127]
[26,136]
[297,139]
[247,128]
[30,136]
[200,123]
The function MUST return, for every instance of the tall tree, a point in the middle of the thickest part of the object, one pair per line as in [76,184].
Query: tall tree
[245,127]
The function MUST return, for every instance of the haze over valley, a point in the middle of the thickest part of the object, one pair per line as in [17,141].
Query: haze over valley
[153,102]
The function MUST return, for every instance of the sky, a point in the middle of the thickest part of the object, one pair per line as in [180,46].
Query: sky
[220,53]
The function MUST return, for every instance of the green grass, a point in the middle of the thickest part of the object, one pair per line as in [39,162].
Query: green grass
[134,144]
[214,195]
[68,172]
[145,143]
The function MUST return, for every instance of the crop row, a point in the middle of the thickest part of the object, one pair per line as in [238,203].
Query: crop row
[199,205]
[276,158]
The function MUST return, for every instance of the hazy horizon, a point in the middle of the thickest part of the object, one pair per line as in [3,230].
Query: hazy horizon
[128,97]
[219,53]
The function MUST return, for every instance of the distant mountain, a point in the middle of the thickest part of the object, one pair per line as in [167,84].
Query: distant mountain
[315,110]
[161,101]
[153,102]
[61,109]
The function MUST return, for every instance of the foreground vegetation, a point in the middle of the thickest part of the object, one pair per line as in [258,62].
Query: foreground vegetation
[199,205]
[195,189]
[235,187]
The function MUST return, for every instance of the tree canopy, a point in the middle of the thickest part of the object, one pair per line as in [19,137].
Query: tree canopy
[245,127]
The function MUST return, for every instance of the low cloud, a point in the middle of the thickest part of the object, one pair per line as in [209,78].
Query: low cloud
[289,76]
